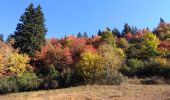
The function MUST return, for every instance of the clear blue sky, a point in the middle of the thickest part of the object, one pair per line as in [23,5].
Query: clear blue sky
[66,17]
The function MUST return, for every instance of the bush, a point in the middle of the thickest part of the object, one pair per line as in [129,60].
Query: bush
[159,67]
[53,57]
[65,78]
[8,85]
[87,66]
[108,37]
[101,65]
[132,67]
[28,81]
[54,84]
[123,43]
[17,63]
[111,78]
[50,84]
[135,64]
[153,80]
[110,57]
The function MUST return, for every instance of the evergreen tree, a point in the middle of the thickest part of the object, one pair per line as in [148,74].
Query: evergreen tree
[134,30]
[127,29]
[108,29]
[30,32]
[162,20]
[9,38]
[99,33]
[85,35]
[116,32]
[79,35]
[1,37]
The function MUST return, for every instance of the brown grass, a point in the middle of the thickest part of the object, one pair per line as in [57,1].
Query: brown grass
[95,92]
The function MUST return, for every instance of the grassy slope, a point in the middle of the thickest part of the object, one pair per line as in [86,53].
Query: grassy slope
[95,92]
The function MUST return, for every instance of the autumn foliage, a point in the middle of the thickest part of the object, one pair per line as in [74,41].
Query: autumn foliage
[71,61]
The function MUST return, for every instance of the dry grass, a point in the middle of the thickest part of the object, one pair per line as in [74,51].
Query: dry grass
[95,92]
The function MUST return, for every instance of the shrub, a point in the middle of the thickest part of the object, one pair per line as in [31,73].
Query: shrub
[53,57]
[28,81]
[101,66]
[2,64]
[110,57]
[135,64]
[8,85]
[17,63]
[133,67]
[51,84]
[149,45]
[153,80]
[110,78]
[145,49]
[64,78]
[156,67]
[108,37]
[123,43]
[54,84]
[87,66]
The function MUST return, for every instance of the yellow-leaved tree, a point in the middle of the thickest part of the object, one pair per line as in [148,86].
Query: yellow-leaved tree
[88,64]
[18,63]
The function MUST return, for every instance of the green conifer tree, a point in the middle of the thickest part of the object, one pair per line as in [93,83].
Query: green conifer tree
[30,32]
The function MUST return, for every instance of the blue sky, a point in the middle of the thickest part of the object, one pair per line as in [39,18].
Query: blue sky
[66,17]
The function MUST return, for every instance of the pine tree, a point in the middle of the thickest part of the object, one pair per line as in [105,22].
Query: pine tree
[85,35]
[162,20]
[116,32]
[79,35]
[99,33]
[30,32]
[127,29]
[9,38]
[1,37]
[134,30]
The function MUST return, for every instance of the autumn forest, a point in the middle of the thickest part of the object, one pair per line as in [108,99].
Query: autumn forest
[29,61]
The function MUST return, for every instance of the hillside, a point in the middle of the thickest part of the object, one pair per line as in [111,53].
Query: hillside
[95,92]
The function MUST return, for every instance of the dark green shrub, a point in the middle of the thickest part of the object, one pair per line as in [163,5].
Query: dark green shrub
[54,84]
[133,66]
[155,67]
[53,74]
[8,85]
[65,78]
[50,84]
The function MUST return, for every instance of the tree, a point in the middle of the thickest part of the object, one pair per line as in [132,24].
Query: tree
[88,65]
[108,29]
[108,38]
[2,37]
[116,32]
[9,39]
[150,42]
[134,30]
[85,35]
[127,29]
[146,49]
[79,35]
[17,63]
[30,32]
[161,21]
[99,32]
[123,43]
